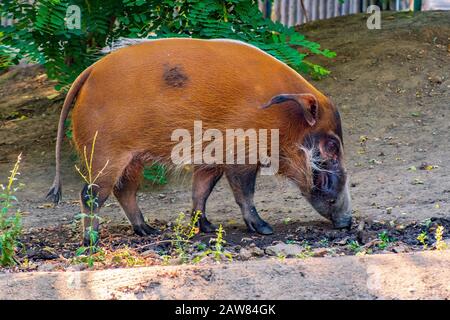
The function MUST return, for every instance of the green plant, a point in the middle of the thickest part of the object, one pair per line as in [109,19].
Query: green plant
[41,34]
[183,234]
[91,253]
[8,56]
[324,242]
[182,240]
[166,259]
[126,257]
[201,246]
[439,236]
[354,246]
[423,237]
[306,252]
[156,173]
[282,257]
[427,223]
[10,224]
[217,250]
[385,240]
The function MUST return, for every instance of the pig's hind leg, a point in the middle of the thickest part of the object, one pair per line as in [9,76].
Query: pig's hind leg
[242,181]
[94,195]
[203,182]
[126,191]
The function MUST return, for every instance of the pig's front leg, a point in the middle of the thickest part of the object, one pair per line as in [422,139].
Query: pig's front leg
[203,182]
[242,180]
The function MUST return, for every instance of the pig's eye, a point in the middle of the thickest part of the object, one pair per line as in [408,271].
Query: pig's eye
[332,147]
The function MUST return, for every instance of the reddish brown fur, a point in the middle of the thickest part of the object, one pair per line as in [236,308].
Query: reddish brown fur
[128,101]
[135,97]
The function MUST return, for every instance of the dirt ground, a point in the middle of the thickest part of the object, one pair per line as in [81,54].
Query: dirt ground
[421,275]
[392,87]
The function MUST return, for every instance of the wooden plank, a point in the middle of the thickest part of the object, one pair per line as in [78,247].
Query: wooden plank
[283,18]
[276,10]
[330,8]
[314,9]
[292,12]
[299,12]
[308,9]
[337,8]
[322,9]
[365,4]
[355,6]
[346,8]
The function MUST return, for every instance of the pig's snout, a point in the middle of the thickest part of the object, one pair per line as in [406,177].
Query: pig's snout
[343,223]
[342,215]
[336,208]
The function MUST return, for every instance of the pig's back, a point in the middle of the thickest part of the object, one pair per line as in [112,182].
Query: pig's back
[155,87]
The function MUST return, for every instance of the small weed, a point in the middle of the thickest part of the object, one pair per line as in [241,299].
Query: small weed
[10,224]
[354,246]
[281,257]
[183,234]
[385,240]
[217,250]
[423,237]
[201,246]
[126,258]
[427,223]
[166,259]
[324,242]
[306,252]
[440,243]
[89,255]
[364,252]
[92,253]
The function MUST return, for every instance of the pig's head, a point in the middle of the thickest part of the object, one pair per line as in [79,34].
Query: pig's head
[311,155]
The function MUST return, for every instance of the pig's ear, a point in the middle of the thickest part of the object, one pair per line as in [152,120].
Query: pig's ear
[306,101]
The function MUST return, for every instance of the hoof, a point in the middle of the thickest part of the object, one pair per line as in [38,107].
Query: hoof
[264,229]
[207,227]
[345,223]
[144,230]
[261,227]
[54,194]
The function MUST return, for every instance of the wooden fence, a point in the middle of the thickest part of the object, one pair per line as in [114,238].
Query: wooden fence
[294,12]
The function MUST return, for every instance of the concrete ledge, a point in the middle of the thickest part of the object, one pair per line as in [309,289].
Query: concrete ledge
[422,275]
